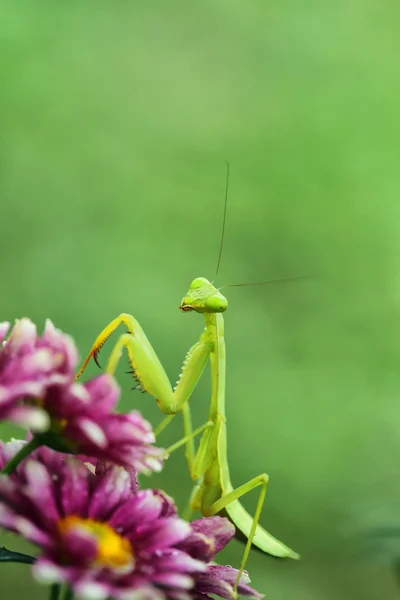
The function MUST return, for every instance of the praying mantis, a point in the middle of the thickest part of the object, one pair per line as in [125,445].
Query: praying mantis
[213,493]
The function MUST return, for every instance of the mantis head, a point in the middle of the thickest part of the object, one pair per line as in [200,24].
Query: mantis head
[203,297]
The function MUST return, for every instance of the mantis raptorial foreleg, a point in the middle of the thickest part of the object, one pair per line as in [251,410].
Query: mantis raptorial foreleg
[146,367]
[151,377]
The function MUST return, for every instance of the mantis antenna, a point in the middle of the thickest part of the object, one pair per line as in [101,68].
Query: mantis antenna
[286,280]
[224,218]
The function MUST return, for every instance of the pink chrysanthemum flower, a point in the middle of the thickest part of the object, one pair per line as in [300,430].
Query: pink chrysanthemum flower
[104,539]
[30,365]
[37,391]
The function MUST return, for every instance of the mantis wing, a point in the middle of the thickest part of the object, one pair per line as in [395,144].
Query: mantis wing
[262,539]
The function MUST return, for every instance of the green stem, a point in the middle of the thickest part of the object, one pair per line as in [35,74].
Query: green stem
[55,591]
[19,457]
[69,594]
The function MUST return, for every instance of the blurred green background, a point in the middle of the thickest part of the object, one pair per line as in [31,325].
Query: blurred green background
[115,121]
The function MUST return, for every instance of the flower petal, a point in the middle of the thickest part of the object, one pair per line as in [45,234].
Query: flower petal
[144,507]
[74,487]
[4,327]
[206,584]
[218,577]
[80,544]
[179,562]
[163,533]
[220,529]
[48,572]
[30,417]
[93,432]
[93,590]
[39,490]
[174,580]
[113,487]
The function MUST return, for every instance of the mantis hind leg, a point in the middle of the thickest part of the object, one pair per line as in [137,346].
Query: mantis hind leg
[231,497]
[247,524]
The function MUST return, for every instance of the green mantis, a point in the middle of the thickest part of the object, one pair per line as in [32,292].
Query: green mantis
[208,467]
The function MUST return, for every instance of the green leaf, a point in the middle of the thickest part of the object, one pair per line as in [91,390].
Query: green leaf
[17,557]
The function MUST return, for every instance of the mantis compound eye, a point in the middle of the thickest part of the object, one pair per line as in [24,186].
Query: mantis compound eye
[217,303]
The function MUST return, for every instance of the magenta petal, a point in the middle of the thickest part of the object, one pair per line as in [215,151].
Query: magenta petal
[178,561]
[168,505]
[47,571]
[176,580]
[55,462]
[144,507]
[93,433]
[13,522]
[74,488]
[7,517]
[209,536]
[225,573]
[29,367]
[128,431]
[199,546]
[216,574]
[9,490]
[81,545]
[134,479]
[20,389]
[39,361]
[211,585]
[163,533]
[113,487]
[148,592]
[106,391]
[220,529]
[94,590]
[8,451]
[4,327]
[31,417]
[22,337]
[246,590]
[62,342]
[39,490]
[142,426]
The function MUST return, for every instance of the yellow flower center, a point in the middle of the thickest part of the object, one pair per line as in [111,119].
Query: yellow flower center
[112,549]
